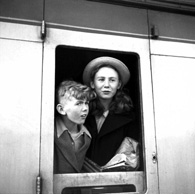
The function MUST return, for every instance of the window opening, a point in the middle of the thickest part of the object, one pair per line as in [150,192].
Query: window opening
[70,63]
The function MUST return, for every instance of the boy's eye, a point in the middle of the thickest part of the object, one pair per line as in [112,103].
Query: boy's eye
[79,103]
[82,103]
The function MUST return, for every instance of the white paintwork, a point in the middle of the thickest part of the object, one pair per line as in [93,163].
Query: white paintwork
[20,31]
[174,102]
[20,85]
[172,48]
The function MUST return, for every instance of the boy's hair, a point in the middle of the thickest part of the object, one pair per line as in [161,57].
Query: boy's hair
[70,88]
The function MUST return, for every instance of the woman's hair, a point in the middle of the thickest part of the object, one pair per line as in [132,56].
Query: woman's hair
[121,102]
[71,88]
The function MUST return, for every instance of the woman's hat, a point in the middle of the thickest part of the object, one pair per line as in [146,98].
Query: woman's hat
[97,62]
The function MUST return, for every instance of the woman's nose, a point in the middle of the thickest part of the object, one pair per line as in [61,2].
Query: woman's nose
[106,83]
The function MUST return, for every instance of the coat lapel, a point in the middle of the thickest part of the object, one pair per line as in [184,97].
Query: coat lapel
[64,143]
[112,123]
[91,125]
[87,141]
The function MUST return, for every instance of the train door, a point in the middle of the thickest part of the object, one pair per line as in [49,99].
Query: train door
[20,83]
[173,67]
[71,42]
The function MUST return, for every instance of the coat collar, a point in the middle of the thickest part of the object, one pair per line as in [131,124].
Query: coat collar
[64,144]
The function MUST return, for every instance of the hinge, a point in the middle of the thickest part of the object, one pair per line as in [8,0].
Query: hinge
[154,32]
[38,184]
[43,30]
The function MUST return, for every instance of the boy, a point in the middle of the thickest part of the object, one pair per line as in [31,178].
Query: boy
[71,138]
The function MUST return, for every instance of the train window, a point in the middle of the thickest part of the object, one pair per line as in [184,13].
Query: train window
[69,65]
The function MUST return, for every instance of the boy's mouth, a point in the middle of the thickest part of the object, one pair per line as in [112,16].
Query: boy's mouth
[84,116]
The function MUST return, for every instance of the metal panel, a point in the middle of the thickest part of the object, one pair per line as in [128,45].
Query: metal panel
[183,6]
[98,179]
[173,26]
[174,94]
[85,14]
[22,9]
[20,83]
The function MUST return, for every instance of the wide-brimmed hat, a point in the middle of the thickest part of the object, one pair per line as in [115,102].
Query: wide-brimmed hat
[113,62]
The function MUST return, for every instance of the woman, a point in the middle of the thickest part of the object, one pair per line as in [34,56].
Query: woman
[111,118]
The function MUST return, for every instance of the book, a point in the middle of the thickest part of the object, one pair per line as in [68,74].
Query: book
[118,163]
[121,162]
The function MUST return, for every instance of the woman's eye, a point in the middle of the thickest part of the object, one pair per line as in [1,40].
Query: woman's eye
[112,80]
[101,79]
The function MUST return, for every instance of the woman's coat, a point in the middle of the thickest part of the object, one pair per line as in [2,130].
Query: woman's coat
[105,143]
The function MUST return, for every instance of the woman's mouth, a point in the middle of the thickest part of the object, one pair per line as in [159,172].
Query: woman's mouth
[106,92]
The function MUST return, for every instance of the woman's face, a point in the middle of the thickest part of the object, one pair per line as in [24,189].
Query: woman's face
[106,82]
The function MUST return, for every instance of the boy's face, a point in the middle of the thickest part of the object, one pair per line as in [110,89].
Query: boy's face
[76,110]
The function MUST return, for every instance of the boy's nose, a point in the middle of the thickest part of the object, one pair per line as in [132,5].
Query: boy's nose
[85,107]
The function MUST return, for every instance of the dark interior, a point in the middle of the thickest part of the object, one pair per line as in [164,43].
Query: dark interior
[71,61]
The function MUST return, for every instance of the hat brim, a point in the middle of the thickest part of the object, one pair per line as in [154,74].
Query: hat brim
[97,62]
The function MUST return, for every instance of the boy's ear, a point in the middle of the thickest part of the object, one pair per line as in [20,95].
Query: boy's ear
[92,85]
[60,109]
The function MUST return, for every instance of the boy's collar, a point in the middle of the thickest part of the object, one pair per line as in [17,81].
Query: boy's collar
[61,127]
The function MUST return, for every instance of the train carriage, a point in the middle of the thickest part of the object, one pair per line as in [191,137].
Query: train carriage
[45,41]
